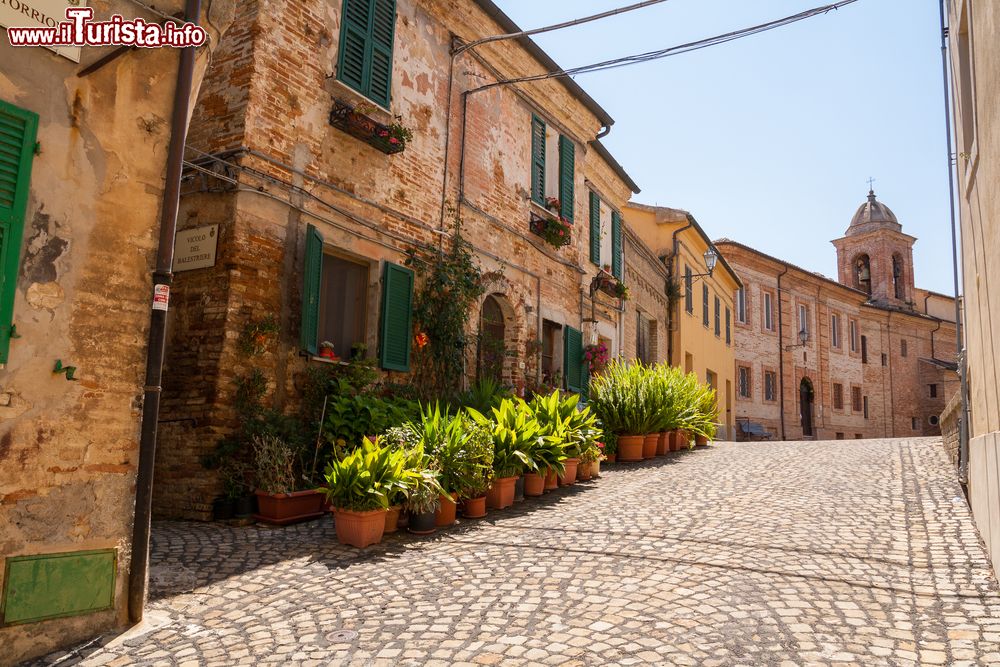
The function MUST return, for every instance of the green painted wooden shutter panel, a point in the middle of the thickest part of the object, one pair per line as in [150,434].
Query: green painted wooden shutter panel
[312,276]
[353,65]
[397,317]
[595,229]
[616,245]
[538,160]
[366,39]
[383,30]
[573,358]
[18,128]
[567,171]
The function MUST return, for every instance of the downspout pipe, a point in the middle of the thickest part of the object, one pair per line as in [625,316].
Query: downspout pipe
[138,576]
[672,275]
[963,422]
[781,358]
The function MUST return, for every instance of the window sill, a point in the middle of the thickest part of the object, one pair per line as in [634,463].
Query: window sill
[541,210]
[325,360]
[358,97]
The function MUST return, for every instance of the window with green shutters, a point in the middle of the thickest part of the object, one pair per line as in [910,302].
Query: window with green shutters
[18,128]
[718,317]
[688,290]
[538,160]
[397,318]
[367,28]
[616,245]
[704,305]
[312,277]
[595,228]
[573,362]
[567,175]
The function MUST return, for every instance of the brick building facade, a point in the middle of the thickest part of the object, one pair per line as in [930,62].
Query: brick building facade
[870,355]
[286,187]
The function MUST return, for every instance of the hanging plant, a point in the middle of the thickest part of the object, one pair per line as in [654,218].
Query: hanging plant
[555,231]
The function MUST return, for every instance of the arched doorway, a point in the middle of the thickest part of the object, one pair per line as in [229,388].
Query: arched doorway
[492,334]
[806,396]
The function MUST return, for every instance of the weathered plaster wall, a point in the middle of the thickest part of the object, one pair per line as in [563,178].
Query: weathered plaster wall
[68,450]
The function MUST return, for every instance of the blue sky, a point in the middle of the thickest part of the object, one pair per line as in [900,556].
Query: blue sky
[770,140]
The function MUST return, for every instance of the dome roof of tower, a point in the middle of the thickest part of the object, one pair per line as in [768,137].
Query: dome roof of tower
[873,215]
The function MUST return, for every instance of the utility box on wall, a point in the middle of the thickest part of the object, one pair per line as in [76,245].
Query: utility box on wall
[47,586]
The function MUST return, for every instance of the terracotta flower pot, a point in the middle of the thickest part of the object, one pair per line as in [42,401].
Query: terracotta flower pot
[534,484]
[682,440]
[649,445]
[672,441]
[551,480]
[568,478]
[612,458]
[447,510]
[501,494]
[392,519]
[700,441]
[285,508]
[630,447]
[583,472]
[475,508]
[595,468]
[663,443]
[359,529]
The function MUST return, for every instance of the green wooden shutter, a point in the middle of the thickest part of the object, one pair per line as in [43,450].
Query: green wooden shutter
[616,244]
[595,228]
[18,128]
[312,277]
[397,317]
[573,358]
[538,160]
[383,31]
[367,30]
[567,177]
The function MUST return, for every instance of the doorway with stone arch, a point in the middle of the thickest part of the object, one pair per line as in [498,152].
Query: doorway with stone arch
[491,352]
[806,399]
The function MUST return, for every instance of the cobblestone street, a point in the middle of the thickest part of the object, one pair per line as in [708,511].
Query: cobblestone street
[850,552]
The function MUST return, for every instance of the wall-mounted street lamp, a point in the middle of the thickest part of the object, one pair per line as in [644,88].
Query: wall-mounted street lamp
[711,258]
[803,339]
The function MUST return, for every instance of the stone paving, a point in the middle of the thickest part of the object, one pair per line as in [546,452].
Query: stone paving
[818,553]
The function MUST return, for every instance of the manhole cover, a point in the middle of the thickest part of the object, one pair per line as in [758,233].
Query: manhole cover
[341,636]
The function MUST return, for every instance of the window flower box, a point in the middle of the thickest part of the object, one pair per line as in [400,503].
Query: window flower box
[605,282]
[355,121]
[556,231]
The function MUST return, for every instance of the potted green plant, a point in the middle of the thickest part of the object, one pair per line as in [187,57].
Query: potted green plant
[619,397]
[274,471]
[510,430]
[478,478]
[422,502]
[360,485]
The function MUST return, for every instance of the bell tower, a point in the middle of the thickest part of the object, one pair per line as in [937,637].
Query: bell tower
[876,257]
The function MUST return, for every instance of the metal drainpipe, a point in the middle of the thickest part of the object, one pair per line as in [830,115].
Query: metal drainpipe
[676,244]
[781,358]
[963,422]
[162,276]
[892,385]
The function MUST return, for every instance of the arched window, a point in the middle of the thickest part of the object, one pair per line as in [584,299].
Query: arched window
[863,274]
[897,277]
[492,331]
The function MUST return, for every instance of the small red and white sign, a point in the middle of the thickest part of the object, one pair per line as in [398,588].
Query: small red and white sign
[161,297]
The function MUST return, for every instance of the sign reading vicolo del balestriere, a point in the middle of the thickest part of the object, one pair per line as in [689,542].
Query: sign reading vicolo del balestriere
[195,248]
[42,13]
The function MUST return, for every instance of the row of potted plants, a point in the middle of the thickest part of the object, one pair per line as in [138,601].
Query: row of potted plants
[419,473]
[652,409]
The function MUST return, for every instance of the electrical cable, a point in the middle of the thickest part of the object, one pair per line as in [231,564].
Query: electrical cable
[674,50]
[557,26]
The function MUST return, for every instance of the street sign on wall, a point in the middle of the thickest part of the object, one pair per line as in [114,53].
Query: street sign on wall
[39,13]
[195,248]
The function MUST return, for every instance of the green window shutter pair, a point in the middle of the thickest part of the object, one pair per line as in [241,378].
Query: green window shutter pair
[538,160]
[397,306]
[573,361]
[616,244]
[729,326]
[595,228]
[718,317]
[688,290]
[567,172]
[18,128]
[704,305]
[366,38]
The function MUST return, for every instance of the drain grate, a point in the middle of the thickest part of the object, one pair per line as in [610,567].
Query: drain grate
[341,636]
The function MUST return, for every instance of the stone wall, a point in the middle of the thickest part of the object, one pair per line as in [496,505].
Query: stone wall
[68,449]
[950,417]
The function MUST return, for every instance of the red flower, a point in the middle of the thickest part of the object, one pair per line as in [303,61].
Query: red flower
[422,339]
[394,140]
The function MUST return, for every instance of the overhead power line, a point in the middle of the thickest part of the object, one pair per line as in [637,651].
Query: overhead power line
[675,50]
[557,26]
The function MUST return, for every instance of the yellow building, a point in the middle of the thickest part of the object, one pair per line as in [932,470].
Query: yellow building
[702,290]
